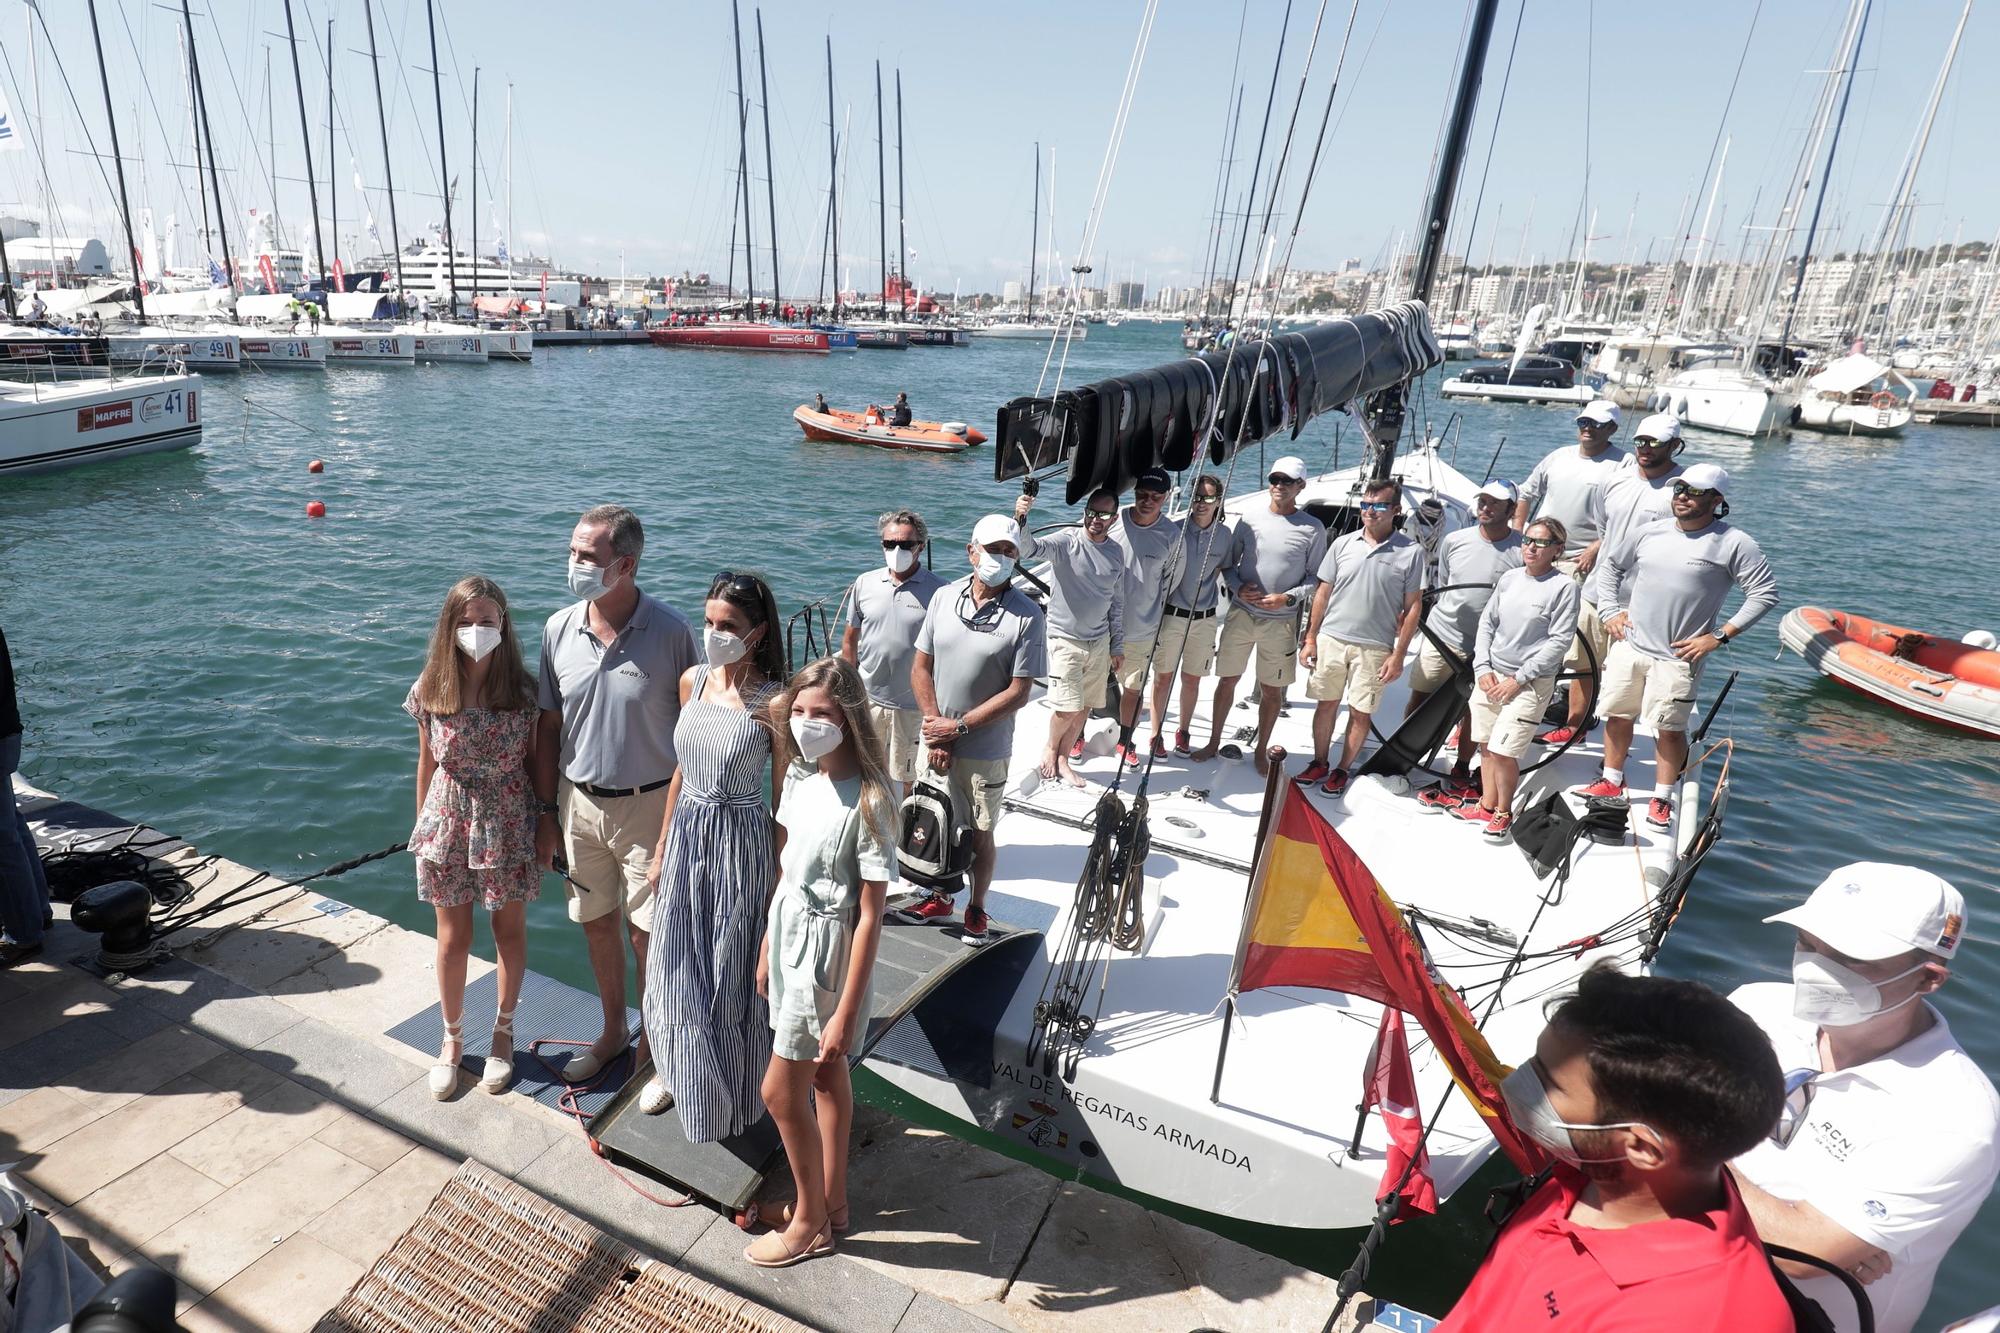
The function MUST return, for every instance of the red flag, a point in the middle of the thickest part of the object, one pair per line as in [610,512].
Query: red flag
[339,275]
[545,289]
[1392,1089]
[1318,917]
[270,274]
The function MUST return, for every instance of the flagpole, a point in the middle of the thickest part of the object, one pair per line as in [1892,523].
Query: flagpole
[1222,1048]
[1274,791]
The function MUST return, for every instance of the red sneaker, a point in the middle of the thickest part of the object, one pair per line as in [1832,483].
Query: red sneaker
[1160,746]
[1316,770]
[1336,784]
[1181,746]
[1461,786]
[1128,753]
[935,907]
[1603,787]
[1660,812]
[1472,812]
[1440,797]
[1500,827]
[975,926]
[1076,750]
[1559,736]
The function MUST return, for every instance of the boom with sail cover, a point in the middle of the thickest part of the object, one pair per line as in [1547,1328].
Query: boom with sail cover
[1218,402]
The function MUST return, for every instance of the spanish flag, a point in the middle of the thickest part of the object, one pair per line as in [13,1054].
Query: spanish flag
[1317,917]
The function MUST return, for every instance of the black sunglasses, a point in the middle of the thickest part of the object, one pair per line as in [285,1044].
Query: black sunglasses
[1800,1085]
[728,580]
[1540,541]
[1099,515]
[1682,488]
[890,545]
[1279,479]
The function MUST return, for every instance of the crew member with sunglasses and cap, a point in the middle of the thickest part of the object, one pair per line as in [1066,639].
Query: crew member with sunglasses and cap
[885,613]
[1470,562]
[1192,615]
[1886,1146]
[1086,621]
[982,645]
[1152,545]
[1568,485]
[1641,494]
[1663,597]
[1270,574]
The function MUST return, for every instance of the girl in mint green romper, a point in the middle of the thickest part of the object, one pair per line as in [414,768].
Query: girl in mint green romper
[837,856]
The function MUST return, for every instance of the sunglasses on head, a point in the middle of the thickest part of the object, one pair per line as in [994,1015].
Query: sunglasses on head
[728,580]
[890,544]
[1696,492]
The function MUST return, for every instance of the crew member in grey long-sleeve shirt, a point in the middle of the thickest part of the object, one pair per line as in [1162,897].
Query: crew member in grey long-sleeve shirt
[1270,575]
[1086,622]
[1188,622]
[1665,593]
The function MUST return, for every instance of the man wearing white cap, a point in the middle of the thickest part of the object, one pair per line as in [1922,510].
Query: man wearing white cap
[1470,562]
[981,647]
[1663,596]
[1086,622]
[1568,486]
[1886,1148]
[1270,576]
[1641,494]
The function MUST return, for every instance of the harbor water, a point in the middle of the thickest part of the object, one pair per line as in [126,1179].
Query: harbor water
[195,651]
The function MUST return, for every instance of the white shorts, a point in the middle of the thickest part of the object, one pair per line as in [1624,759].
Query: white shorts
[1660,690]
[1132,671]
[1589,626]
[1508,729]
[1077,673]
[1275,640]
[1349,673]
[1191,641]
[900,731]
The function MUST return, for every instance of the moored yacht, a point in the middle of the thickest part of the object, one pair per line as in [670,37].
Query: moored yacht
[48,424]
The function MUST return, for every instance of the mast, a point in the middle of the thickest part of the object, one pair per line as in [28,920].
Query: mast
[381,119]
[509,220]
[1853,54]
[770,168]
[832,181]
[1385,410]
[332,176]
[124,204]
[1701,241]
[194,132]
[1034,232]
[475,189]
[743,163]
[902,218]
[305,138]
[215,183]
[444,171]
[881,193]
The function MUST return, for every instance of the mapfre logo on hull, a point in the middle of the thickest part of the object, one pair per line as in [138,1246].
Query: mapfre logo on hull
[794,339]
[104,415]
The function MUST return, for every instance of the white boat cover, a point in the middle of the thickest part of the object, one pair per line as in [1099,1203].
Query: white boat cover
[357,305]
[208,301]
[1848,374]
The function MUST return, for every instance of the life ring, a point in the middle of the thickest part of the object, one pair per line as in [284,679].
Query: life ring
[1882,401]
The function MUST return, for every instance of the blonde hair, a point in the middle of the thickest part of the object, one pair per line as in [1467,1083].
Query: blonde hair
[843,684]
[1555,527]
[509,685]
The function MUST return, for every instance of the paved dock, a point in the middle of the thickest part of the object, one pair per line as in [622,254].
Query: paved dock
[236,1116]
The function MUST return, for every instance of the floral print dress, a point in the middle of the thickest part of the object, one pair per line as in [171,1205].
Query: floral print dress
[475,837]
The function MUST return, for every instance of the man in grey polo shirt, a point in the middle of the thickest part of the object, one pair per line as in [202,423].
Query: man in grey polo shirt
[1152,545]
[1086,621]
[1369,600]
[885,611]
[610,695]
[982,646]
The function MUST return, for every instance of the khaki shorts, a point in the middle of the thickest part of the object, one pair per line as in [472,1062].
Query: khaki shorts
[900,731]
[1659,690]
[1430,670]
[1275,639]
[1192,642]
[1350,673]
[1588,625]
[979,786]
[609,842]
[1077,672]
[1134,669]
[1509,729]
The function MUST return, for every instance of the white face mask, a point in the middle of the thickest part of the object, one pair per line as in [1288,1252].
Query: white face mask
[724,649]
[1528,1106]
[478,640]
[993,570]
[1832,996]
[898,560]
[588,581]
[816,737]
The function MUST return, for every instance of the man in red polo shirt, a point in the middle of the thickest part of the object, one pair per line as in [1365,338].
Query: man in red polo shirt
[1640,1088]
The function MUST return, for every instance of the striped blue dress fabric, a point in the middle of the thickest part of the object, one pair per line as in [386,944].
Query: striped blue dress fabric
[708,1027]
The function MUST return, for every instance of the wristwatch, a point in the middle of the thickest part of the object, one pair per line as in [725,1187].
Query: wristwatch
[546,808]
[964,729]
[1721,637]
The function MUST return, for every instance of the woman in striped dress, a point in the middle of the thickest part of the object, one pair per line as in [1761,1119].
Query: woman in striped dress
[716,867]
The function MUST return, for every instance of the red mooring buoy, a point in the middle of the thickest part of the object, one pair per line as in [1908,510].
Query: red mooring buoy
[316,509]
[316,466]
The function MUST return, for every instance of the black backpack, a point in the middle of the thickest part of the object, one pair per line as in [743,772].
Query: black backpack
[934,843]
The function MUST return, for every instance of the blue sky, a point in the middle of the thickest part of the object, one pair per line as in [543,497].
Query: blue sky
[624,131]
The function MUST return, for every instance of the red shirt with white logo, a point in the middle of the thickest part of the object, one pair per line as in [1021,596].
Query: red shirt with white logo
[1677,1275]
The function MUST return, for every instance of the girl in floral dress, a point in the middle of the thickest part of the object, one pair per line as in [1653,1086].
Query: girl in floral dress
[475,835]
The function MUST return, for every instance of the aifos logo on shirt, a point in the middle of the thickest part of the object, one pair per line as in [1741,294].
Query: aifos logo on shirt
[1875,1209]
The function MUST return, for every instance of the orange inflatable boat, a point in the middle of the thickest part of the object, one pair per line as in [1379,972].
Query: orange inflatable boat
[1955,683]
[873,428]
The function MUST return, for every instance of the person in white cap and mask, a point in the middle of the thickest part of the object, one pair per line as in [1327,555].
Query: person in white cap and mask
[1270,577]
[1886,1148]
[1663,602]
[885,611]
[1641,494]
[1470,562]
[1568,485]
[982,645]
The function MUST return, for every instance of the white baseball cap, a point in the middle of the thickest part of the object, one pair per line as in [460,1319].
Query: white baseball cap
[1706,477]
[1872,910]
[1289,466]
[1601,411]
[1501,489]
[1661,426]
[996,528]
